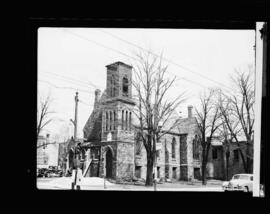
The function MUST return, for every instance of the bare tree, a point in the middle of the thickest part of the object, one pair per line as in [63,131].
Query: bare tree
[229,130]
[238,113]
[226,140]
[43,113]
[208,122]
[154,110]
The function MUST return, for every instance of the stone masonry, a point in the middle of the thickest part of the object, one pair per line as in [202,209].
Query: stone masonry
[110,131]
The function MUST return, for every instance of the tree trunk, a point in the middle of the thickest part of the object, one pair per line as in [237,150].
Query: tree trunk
[248,159]
[204,167]
[227,164]
[149,172]
[243,159]
[204,163]
[203,171]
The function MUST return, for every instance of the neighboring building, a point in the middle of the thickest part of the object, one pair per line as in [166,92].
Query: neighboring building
[216,166]
[62,155]
[113,149]
[42,156]
[47,155]
[68,154]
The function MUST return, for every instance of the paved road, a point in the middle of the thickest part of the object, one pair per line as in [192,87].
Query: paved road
[92,183]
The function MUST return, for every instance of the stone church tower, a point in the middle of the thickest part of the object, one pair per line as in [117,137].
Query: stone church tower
[117,135]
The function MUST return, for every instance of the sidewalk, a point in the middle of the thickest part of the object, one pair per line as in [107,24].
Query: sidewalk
[93,183]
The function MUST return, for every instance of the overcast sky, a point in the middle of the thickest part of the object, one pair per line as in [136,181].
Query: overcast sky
[75,58]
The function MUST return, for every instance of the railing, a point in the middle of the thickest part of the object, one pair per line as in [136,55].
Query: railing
[87,167]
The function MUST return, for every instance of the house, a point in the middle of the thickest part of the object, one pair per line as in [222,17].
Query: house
[47,152]
[112,147]
[225,160]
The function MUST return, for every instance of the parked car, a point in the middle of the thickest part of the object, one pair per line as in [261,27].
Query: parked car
[54,172]
[43,172]
[239,182]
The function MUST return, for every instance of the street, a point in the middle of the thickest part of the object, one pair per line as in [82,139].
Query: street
[95,183]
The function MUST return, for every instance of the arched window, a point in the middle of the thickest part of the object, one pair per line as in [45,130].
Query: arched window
[114,117]
[106,122]
[196,154]
[112,86]
[125,86]
[126,120]
[110,120]
[130,121]
[138,146]
[173,147]
[166,152]
[122,124]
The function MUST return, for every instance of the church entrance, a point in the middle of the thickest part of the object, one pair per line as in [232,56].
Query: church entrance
[109,164]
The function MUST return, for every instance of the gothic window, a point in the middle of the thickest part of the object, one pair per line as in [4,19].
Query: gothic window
[122,119]
[110,120]
[106,122]
[183,149]
[126,120]
[138,145]
[114,117]
[166,153]
[129,120]
[173,147]
[112,86]
[125,86]
[196,142]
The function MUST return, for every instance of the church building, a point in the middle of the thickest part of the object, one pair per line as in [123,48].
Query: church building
[112,148]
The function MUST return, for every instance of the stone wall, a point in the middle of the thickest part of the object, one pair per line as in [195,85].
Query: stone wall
[167,164]
[125,160]
[104,148]
[216,168]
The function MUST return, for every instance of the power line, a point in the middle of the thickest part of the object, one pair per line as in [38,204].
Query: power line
[82,37]
[68,81]
[168,60]
[72,79]
[76,89]
[97,43]
[72,82]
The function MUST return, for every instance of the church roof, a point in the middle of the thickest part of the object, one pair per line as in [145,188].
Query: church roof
[119,63]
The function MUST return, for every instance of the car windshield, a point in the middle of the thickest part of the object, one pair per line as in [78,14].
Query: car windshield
[242,177]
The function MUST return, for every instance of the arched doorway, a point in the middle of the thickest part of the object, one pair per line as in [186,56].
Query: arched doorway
[109,163]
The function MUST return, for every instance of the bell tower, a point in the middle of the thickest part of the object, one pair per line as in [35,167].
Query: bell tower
[117,120]
[119,77]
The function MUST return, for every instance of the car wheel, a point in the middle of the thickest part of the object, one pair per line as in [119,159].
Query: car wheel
[245,189]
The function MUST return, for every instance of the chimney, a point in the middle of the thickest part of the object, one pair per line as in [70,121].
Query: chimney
[190,111]
[97,97]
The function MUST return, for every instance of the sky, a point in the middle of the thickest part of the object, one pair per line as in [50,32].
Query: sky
[71,59]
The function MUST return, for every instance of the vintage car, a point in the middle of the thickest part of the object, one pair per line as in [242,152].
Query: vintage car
[239,182]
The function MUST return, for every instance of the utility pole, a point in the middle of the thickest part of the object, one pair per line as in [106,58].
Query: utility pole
[75,121]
